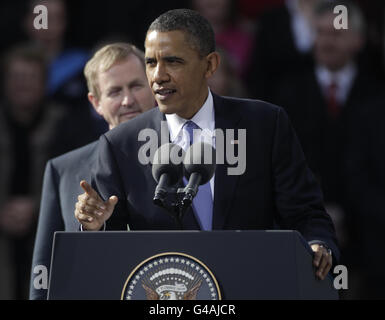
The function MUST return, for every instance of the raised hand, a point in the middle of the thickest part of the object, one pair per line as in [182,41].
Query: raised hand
[90,209]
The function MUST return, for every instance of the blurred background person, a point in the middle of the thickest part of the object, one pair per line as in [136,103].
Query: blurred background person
[323,103]
[372,56]
[229,32]
[65,81]
[225,81]
[11,13]
[365,181]
[251,10]
[28,124]
[283,44]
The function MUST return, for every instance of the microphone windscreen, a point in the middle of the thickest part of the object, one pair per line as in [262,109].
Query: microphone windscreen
[168,159]
[200,158]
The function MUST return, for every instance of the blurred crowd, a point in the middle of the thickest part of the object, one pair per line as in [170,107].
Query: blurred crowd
[287,52]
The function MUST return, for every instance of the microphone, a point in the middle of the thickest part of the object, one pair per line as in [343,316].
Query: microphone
[199,164]
[167,170]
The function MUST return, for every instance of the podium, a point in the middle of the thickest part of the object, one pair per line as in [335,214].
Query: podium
[242,264]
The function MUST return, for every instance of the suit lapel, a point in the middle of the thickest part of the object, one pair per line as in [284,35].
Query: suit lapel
[87,162]
[155,124]
[226,117]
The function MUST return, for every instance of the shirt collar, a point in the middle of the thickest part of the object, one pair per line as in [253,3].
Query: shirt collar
[204,118]
[342,76]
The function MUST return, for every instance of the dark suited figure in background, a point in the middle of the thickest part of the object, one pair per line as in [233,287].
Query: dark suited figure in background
[277,185]
[323,104]
[283,45]
[119,91]
[28,123]
[65,80]
[365,180]
[225,81]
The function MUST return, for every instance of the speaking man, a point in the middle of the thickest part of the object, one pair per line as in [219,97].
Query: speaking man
[277,186]
[119,91]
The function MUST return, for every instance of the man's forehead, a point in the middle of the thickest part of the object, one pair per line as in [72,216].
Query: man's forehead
[164,38]
[122,72]
[122,65]
[168,44]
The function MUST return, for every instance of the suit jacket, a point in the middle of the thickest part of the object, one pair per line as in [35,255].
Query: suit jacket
[60,191]
[277,186]
[275,53]
[322,138]
[365,176]
[40,141]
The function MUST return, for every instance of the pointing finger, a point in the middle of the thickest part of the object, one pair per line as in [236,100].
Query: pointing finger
[112,201]
[88,189]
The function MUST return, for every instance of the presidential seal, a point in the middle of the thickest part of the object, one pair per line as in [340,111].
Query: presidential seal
[171,276]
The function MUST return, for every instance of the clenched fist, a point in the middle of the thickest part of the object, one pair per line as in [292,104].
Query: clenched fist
[90,210]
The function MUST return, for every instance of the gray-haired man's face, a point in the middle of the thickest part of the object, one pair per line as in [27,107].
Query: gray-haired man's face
[124,92]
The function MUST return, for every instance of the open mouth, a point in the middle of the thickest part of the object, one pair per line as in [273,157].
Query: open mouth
[163,94]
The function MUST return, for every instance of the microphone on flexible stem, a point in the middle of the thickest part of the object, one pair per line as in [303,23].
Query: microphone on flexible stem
[199,163]
[167,170]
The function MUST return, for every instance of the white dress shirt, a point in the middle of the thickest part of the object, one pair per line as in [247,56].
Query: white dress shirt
[343,78]
[303,32]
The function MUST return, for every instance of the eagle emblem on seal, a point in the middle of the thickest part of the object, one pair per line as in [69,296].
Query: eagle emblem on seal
[171,276]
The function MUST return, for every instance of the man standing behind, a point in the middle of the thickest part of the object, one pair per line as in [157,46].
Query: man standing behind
[119,91]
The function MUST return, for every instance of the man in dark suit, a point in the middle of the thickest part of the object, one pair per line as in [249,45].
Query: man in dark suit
[119,91]
[324,105]
[283,44]
[277,186]
[365,177]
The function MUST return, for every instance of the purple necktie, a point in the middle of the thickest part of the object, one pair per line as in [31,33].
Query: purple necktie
[203,201]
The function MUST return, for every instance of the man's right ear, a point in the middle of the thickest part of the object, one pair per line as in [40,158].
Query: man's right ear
[95,103]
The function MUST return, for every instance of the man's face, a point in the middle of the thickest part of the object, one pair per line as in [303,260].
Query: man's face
[124,92]
[176,73]
[334,48]
[24,85]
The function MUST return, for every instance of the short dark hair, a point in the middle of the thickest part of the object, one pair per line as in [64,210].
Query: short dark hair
[199,31]
[25,52]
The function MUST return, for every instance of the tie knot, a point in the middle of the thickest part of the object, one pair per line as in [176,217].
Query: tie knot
[191,124]
[189,127]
